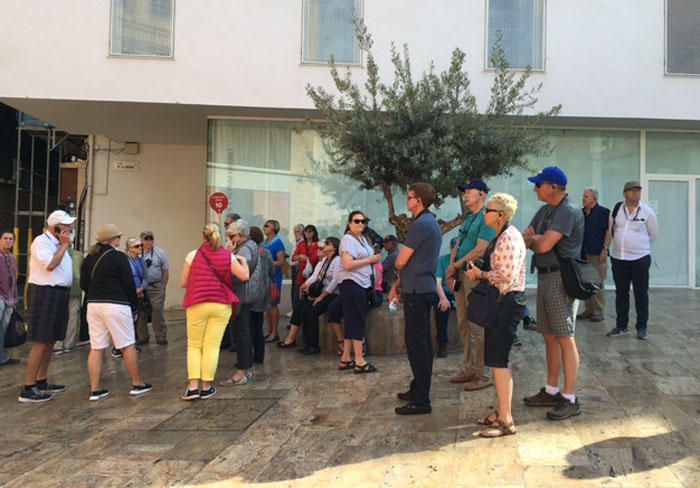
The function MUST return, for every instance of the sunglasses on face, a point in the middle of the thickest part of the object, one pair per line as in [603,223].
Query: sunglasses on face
[359,221]
[488,210]
[148,238]
[138,246]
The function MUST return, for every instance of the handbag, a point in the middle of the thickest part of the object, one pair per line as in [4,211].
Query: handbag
[483,304]
[308,269]
[275,295]
[16,333]
[316,287]
[581,279]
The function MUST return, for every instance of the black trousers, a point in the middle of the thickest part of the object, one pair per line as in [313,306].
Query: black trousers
[419,345]
[258,337]
[635,273]
[241,336]
[310,316]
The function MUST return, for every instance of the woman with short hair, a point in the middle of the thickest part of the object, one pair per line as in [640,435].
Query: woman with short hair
[276,247]
[503,267]
[111,309]
[209,298]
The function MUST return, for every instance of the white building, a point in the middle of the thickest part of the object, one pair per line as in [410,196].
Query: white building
[214,91]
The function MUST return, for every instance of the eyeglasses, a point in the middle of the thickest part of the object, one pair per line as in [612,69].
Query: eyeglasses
[409,197]
[138,246]
[359,221]
[148,238]
[491,210]
[267,225]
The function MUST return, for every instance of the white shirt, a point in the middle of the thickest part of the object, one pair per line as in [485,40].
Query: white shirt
[42,251]
[634,232]
[357,250]
[332,275]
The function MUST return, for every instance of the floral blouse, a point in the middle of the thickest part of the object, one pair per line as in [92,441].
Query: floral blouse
[508,262]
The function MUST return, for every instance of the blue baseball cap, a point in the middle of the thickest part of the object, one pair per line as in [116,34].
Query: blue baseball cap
[551,174]
[475,184]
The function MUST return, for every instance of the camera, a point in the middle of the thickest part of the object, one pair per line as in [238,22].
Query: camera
[149,262]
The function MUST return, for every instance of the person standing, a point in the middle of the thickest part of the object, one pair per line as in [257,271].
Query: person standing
[416,264]
[8,292]
[112,306]
[392,249]
[474,237]
[596,219]
[276,248]
[133,250]
[558,223]
[157,276]
[294,267]
[76,296]
[50,279]
[442,317]
[633,227]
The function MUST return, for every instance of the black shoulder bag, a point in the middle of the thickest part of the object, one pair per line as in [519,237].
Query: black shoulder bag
[484,297]
[581,279]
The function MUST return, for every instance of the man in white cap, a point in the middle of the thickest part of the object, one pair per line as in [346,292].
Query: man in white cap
[50,279]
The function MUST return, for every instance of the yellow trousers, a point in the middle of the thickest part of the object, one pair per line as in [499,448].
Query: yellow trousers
[206,323]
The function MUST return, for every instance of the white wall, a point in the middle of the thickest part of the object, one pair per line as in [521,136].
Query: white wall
[166,195]
[603,58]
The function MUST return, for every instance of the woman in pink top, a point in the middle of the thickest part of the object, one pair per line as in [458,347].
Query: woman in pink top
[504,268]
[206,275]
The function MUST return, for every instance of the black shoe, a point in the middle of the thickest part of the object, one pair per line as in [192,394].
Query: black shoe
[98,395]
[33,395]
[404,395]
[190,395]
[310,351]
[208,393]
[285,345]
[140,389]
[411,409]
[543,399]
[117,353]
[442,351]
[564,410]
[46,387]
[642,335]
[529,323]
[616,332]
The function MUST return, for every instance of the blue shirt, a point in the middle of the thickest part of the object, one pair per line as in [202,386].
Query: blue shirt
[138,270]
[274,246]
[595,227]
[425,238]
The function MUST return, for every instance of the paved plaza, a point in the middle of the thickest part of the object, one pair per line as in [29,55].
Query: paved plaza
[301,422]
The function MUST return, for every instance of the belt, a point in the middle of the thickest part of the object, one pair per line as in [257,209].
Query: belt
[547,269]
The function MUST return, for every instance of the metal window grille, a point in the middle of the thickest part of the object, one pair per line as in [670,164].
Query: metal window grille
[521,25]
[142,28]
[262,145]
[329,30]
[683,37]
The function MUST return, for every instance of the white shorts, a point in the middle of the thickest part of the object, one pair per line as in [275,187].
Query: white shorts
[110,319]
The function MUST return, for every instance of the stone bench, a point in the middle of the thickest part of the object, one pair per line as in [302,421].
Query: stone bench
[385,332]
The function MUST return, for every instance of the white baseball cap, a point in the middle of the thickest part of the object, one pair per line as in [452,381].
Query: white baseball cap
[59,217]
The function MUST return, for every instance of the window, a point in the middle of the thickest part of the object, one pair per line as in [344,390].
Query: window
[142,28]
[683,37]
[329,30]
[521,26]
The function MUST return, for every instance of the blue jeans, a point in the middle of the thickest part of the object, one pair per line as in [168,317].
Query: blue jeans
[5,314]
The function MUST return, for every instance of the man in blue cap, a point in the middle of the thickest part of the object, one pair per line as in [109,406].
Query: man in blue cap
[473,239]
[558,223]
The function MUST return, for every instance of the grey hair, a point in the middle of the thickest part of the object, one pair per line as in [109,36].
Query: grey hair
[593,191]
[240,226]
[299,227]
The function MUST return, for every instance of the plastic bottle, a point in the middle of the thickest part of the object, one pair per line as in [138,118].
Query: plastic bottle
[393,306]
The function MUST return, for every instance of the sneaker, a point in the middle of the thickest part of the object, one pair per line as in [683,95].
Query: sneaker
[442,351]
[46,387]
[208,393]
[117,353]
[411,409]
[517,342]
[191,394]
[140,389]
[82,343]
[564,410]
[642,335]
[98,395]
[543,399]
[60,352]
[616,332]
[463,378]
[529,323]
[33,395]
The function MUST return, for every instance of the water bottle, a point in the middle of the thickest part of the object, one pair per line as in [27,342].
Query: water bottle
[393,306]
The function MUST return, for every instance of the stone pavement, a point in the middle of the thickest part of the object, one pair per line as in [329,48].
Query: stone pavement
[303,423]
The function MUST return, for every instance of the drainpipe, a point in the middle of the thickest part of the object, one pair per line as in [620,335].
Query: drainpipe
[90,185]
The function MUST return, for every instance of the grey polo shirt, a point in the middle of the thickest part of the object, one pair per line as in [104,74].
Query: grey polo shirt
[567,219]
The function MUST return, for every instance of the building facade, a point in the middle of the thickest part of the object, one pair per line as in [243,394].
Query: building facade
[214,93]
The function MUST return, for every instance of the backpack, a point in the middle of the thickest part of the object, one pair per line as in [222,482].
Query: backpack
[255,288]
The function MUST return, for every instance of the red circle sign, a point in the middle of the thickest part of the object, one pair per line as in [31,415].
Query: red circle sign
[218,202]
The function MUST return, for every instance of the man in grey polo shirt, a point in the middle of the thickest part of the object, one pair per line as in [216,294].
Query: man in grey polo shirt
[158,273]
[416,263]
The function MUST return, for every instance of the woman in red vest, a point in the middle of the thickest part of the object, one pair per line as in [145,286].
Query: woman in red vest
[209,300]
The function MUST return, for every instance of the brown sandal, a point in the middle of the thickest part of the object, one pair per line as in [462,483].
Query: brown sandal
[498,429]
[489,419]
[345,365]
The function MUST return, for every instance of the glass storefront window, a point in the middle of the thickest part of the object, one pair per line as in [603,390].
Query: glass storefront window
[673,153]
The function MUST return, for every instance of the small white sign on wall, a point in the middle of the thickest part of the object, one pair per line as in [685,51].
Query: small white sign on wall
[126,165]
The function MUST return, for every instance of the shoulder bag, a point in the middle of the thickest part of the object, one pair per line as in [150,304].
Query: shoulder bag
[16,333]
[581,279]
[484,297]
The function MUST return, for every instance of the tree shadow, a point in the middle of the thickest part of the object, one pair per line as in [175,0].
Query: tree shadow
[622,456]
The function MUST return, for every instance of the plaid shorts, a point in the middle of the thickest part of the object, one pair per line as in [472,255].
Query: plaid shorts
[48,313]
[556,311]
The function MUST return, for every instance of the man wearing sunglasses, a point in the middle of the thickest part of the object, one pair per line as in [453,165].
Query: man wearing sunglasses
[558,223]
[157,274]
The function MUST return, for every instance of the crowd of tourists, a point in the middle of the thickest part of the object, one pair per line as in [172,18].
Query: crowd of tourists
[233,286]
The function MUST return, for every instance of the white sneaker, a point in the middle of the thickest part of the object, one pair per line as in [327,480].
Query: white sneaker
[140,390]
[98,395]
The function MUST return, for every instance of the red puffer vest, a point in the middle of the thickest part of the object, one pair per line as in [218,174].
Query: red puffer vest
[203,285]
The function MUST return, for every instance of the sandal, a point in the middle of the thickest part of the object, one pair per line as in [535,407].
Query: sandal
[498,429]
[489,419]
[365,368]
[285,345]
[344,365]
